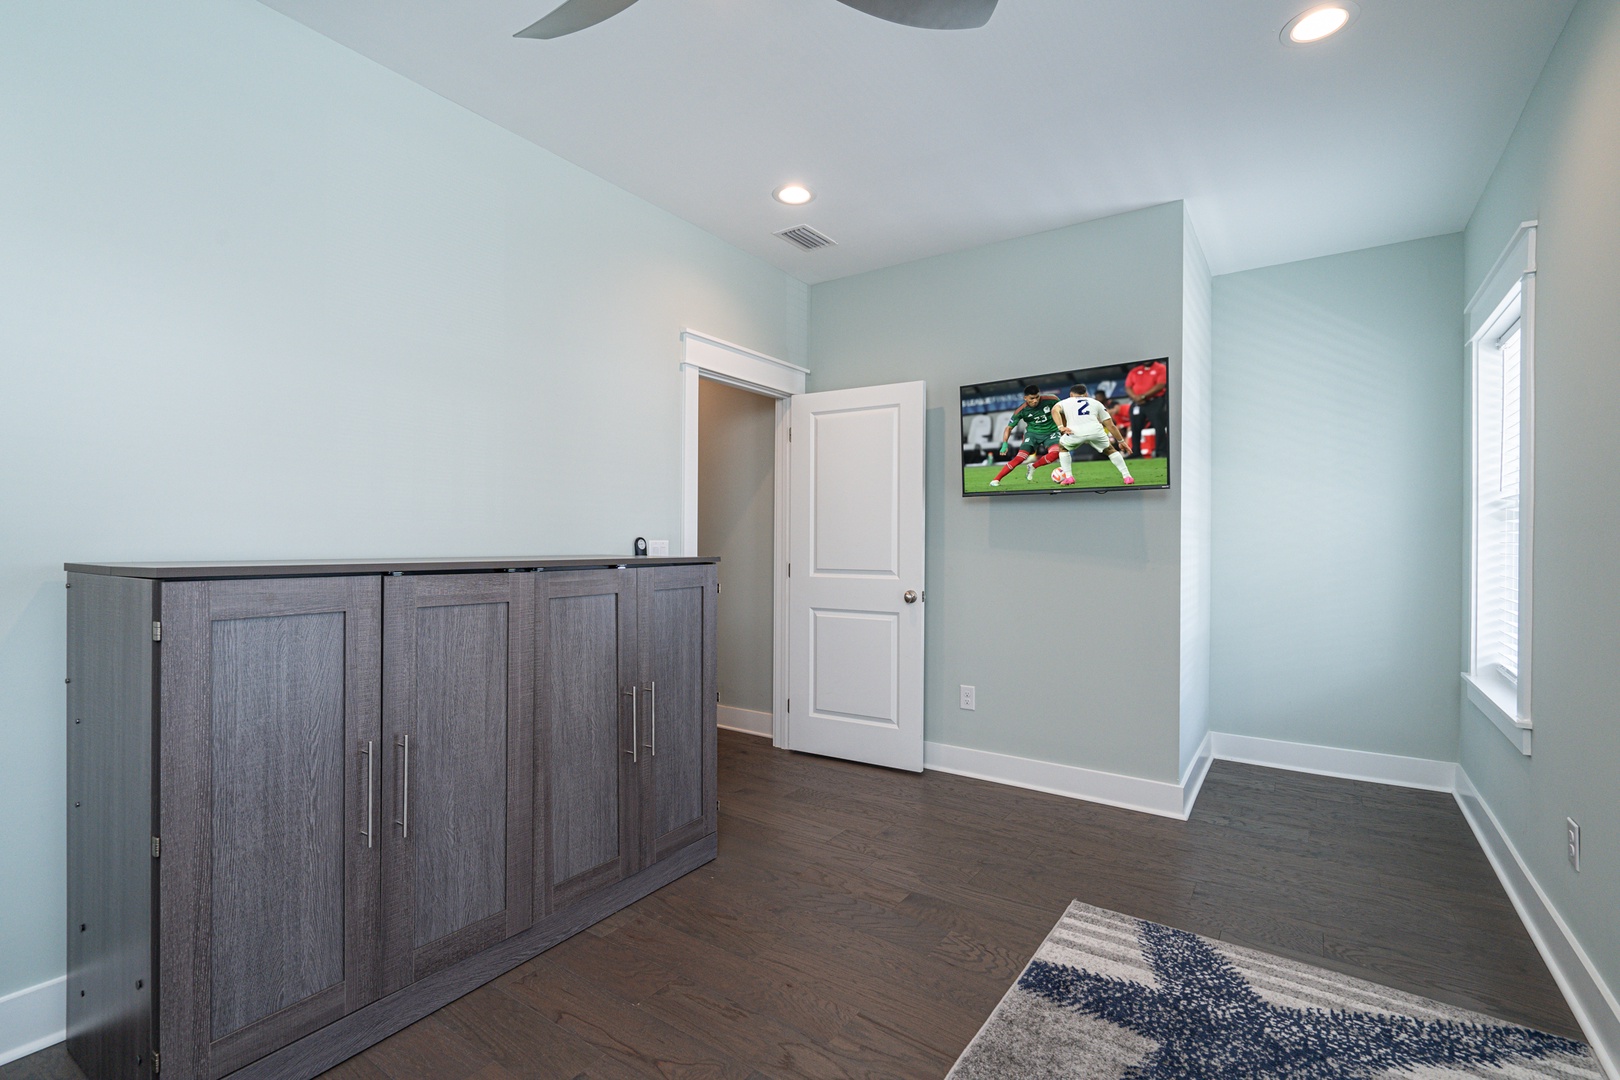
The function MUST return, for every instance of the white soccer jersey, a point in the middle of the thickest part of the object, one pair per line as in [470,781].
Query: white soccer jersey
[1081,416]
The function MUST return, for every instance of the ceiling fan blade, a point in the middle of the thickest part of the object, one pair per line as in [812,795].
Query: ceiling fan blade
[929,14]
[574,15]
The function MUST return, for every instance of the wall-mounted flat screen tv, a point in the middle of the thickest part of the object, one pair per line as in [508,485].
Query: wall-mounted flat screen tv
[1092,429]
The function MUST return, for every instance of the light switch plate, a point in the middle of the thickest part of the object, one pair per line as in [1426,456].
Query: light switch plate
[657,548]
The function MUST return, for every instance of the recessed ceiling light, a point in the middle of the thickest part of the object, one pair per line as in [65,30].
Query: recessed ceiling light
[1323,21]
[793,194]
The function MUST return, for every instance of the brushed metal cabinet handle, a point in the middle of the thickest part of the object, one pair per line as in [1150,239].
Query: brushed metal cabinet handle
[370,780]
[404,819]
[652,716]
[635,727]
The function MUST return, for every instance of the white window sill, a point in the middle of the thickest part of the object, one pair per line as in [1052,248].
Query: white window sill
[1498,699]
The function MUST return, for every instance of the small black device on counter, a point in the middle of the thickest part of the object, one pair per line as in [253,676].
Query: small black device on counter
[641,545]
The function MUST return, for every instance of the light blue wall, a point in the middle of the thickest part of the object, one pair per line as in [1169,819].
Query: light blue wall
[1562,167]
[1104,292]
[1339,500]
[260,297]
[1196,458]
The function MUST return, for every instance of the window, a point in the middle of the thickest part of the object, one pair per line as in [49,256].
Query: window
[1496,507]
[1502,317]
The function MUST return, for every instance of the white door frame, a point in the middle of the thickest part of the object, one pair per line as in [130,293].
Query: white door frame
[705,356]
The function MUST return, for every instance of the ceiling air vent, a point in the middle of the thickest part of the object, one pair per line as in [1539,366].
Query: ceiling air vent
[805,237]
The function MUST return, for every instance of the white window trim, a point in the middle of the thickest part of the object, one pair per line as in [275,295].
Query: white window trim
[1511,283]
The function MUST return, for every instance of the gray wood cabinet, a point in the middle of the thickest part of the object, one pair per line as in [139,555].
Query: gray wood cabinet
[268,894]
[110,876]
[627,722]
[678,680]
[585,653]
[455,767]
[309,806]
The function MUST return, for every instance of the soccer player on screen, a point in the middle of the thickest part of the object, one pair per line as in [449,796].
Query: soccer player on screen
[1148,386]
[1120,410]
[1040,434]
[1084,421]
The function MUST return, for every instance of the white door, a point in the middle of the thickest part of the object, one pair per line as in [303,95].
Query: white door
[855,566]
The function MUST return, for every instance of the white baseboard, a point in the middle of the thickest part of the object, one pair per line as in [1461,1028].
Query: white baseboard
[1192,782]
[1152,796]
[32,1019]
[747,721]
[1392,769]
[1176,799]
[1590,999]
[1161,797]
[1593,1002]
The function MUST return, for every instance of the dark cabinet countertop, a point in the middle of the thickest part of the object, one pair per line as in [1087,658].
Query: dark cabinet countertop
[184,571]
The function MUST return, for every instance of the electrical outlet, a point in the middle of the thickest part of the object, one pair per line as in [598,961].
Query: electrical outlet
[1572,830]
[970,699]
[658,548]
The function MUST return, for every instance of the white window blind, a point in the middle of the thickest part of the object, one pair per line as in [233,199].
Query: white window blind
[1501,321]
[1497,569]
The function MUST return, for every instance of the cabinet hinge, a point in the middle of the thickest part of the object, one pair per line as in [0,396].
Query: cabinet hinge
[790,569]
[157,847]
[790,705]
[157,1064]
[790,434]
[157,630]
[717,588]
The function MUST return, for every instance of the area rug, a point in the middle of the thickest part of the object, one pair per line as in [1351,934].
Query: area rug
[1108,997]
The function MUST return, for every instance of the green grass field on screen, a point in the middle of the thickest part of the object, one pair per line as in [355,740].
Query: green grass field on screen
[1149,472]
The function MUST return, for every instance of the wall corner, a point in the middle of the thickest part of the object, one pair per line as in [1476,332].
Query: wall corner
[1194,471]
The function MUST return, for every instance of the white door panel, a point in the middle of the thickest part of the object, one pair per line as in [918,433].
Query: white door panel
[856,551]
[854,656]
[856,471]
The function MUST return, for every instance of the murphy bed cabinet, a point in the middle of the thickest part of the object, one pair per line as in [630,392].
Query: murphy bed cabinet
[309,804]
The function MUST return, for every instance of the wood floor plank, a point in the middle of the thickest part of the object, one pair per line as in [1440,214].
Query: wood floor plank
[358,1067]
[618,1028]
[768,1040]
[428,1050]
[748,980]
[518,1038]
[862,923]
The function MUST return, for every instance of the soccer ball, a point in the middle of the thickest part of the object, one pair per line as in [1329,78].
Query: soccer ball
[1058,476]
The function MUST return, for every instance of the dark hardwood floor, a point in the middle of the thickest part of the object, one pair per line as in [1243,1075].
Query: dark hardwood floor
[863,923]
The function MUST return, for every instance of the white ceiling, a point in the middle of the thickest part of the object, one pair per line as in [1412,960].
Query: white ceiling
[921,142]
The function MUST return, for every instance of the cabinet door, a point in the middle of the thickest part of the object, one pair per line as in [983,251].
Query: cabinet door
[458,780]
[585,677]
[269,729]
[676,606]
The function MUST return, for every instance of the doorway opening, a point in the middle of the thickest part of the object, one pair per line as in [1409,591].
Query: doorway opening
[734,505]
[847,509]
[736,521]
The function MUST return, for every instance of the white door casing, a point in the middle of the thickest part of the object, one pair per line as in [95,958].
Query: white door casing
[856,521]
[709,357]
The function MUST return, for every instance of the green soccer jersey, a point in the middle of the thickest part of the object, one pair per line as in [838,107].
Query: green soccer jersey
[1037,419]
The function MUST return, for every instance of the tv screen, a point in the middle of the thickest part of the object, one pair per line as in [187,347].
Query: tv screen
[1092,429]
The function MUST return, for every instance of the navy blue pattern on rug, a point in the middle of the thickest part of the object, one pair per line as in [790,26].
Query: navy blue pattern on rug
[1208,1022]
[1192,1014]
